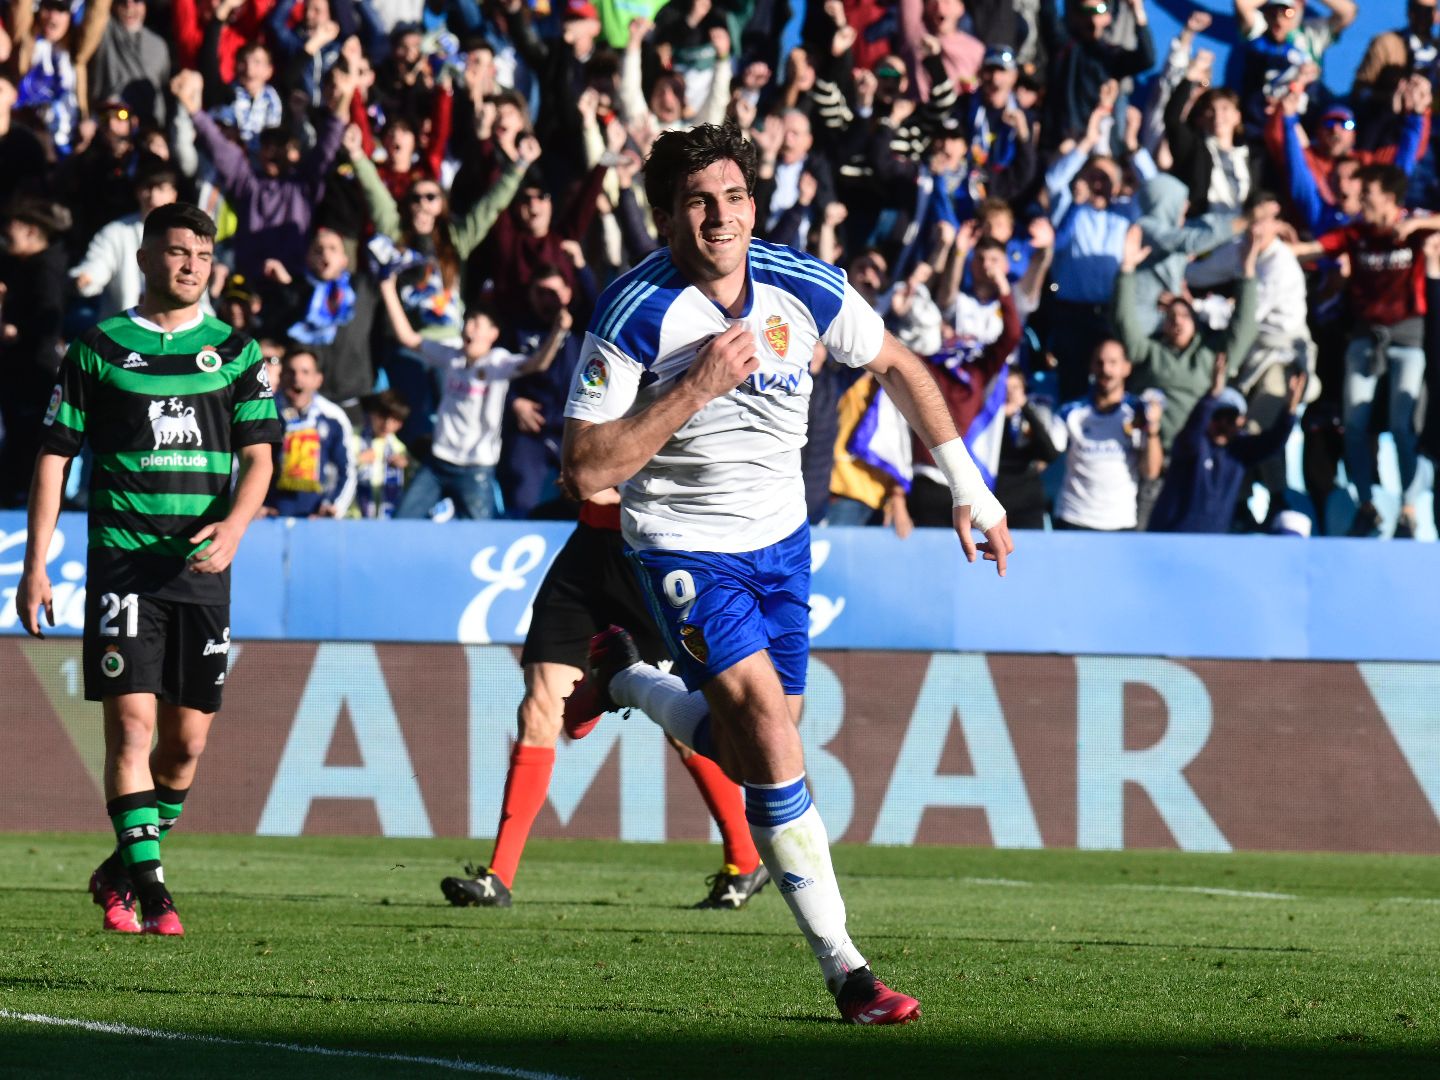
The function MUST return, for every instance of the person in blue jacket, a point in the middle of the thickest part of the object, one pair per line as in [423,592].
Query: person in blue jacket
[1211,457]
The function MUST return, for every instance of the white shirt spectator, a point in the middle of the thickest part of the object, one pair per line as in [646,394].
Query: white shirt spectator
[472,403]
[1102,463]
[110,268]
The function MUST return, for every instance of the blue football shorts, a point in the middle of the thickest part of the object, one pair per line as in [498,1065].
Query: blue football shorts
[714,608]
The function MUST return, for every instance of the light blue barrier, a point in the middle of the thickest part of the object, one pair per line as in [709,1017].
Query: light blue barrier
[1067,593]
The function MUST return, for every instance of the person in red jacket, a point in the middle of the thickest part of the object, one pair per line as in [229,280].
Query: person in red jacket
[529,235]
[1386,295]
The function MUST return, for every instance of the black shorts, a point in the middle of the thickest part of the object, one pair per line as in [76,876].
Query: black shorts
[138,644]
[589,586]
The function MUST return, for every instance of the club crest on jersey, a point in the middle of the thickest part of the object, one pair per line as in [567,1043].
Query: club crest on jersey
[694,642]
[594,377]
[56,397]
[208,360]
[112,664]
[777,335]
[173,422]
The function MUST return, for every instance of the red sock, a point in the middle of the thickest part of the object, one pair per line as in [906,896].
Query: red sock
[727,806]
[526,784]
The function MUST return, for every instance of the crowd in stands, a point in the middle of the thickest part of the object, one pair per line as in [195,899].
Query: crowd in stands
[1133,272]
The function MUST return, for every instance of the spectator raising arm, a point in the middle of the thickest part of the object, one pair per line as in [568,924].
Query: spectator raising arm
[1128,327]
[471,229]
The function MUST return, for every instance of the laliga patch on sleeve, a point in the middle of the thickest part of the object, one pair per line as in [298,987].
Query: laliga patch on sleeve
[56,396]
[594,378]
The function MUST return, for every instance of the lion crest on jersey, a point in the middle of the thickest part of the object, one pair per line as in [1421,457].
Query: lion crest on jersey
[777,335]
[173,422]
[694,642]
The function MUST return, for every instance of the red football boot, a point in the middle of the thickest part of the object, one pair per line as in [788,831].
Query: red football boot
[116,899]
[612,650]
[864,999]
[162,919]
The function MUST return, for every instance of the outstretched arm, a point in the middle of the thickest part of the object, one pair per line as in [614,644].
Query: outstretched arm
[904,377]
[399,323]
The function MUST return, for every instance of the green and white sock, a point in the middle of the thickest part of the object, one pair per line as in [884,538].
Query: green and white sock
[137,833]
[170,804]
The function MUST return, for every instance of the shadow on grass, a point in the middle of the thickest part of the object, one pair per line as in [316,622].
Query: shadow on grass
[812,1048]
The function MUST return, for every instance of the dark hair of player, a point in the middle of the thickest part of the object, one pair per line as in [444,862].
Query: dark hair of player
[176,215]
[678,154]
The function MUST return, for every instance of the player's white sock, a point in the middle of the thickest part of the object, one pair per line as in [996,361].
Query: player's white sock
[663,697]
[792,842]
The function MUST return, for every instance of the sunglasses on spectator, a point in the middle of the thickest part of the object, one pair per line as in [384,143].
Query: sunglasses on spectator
[1095,9]
[424,196]
[1348,125]
[1285,11]
[885,71]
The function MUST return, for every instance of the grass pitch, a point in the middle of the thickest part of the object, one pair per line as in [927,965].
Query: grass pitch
[1046,963]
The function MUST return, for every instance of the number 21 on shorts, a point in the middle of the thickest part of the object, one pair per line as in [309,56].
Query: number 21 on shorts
[112,605]
[679,589]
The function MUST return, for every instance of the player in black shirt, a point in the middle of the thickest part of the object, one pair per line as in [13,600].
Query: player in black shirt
[167,398]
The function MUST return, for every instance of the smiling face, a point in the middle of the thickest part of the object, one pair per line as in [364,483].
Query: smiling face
[710,223]
[177,267]
[424,203]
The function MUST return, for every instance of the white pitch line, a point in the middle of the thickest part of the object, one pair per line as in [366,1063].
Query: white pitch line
[1208,890]
[454,1065]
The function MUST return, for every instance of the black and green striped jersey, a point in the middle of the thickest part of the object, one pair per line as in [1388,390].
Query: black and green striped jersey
[163,412]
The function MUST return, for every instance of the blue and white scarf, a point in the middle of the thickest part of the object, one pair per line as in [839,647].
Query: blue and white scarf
[332,305]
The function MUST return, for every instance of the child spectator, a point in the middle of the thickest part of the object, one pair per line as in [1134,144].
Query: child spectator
[381,459]
[466,448]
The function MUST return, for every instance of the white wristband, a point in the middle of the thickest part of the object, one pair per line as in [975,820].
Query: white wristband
[967,487]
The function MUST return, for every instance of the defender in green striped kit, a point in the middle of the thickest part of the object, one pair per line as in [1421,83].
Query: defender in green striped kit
[167,398]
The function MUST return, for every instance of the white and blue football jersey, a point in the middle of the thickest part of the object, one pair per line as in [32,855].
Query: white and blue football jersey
[1102,463]
[729,480]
